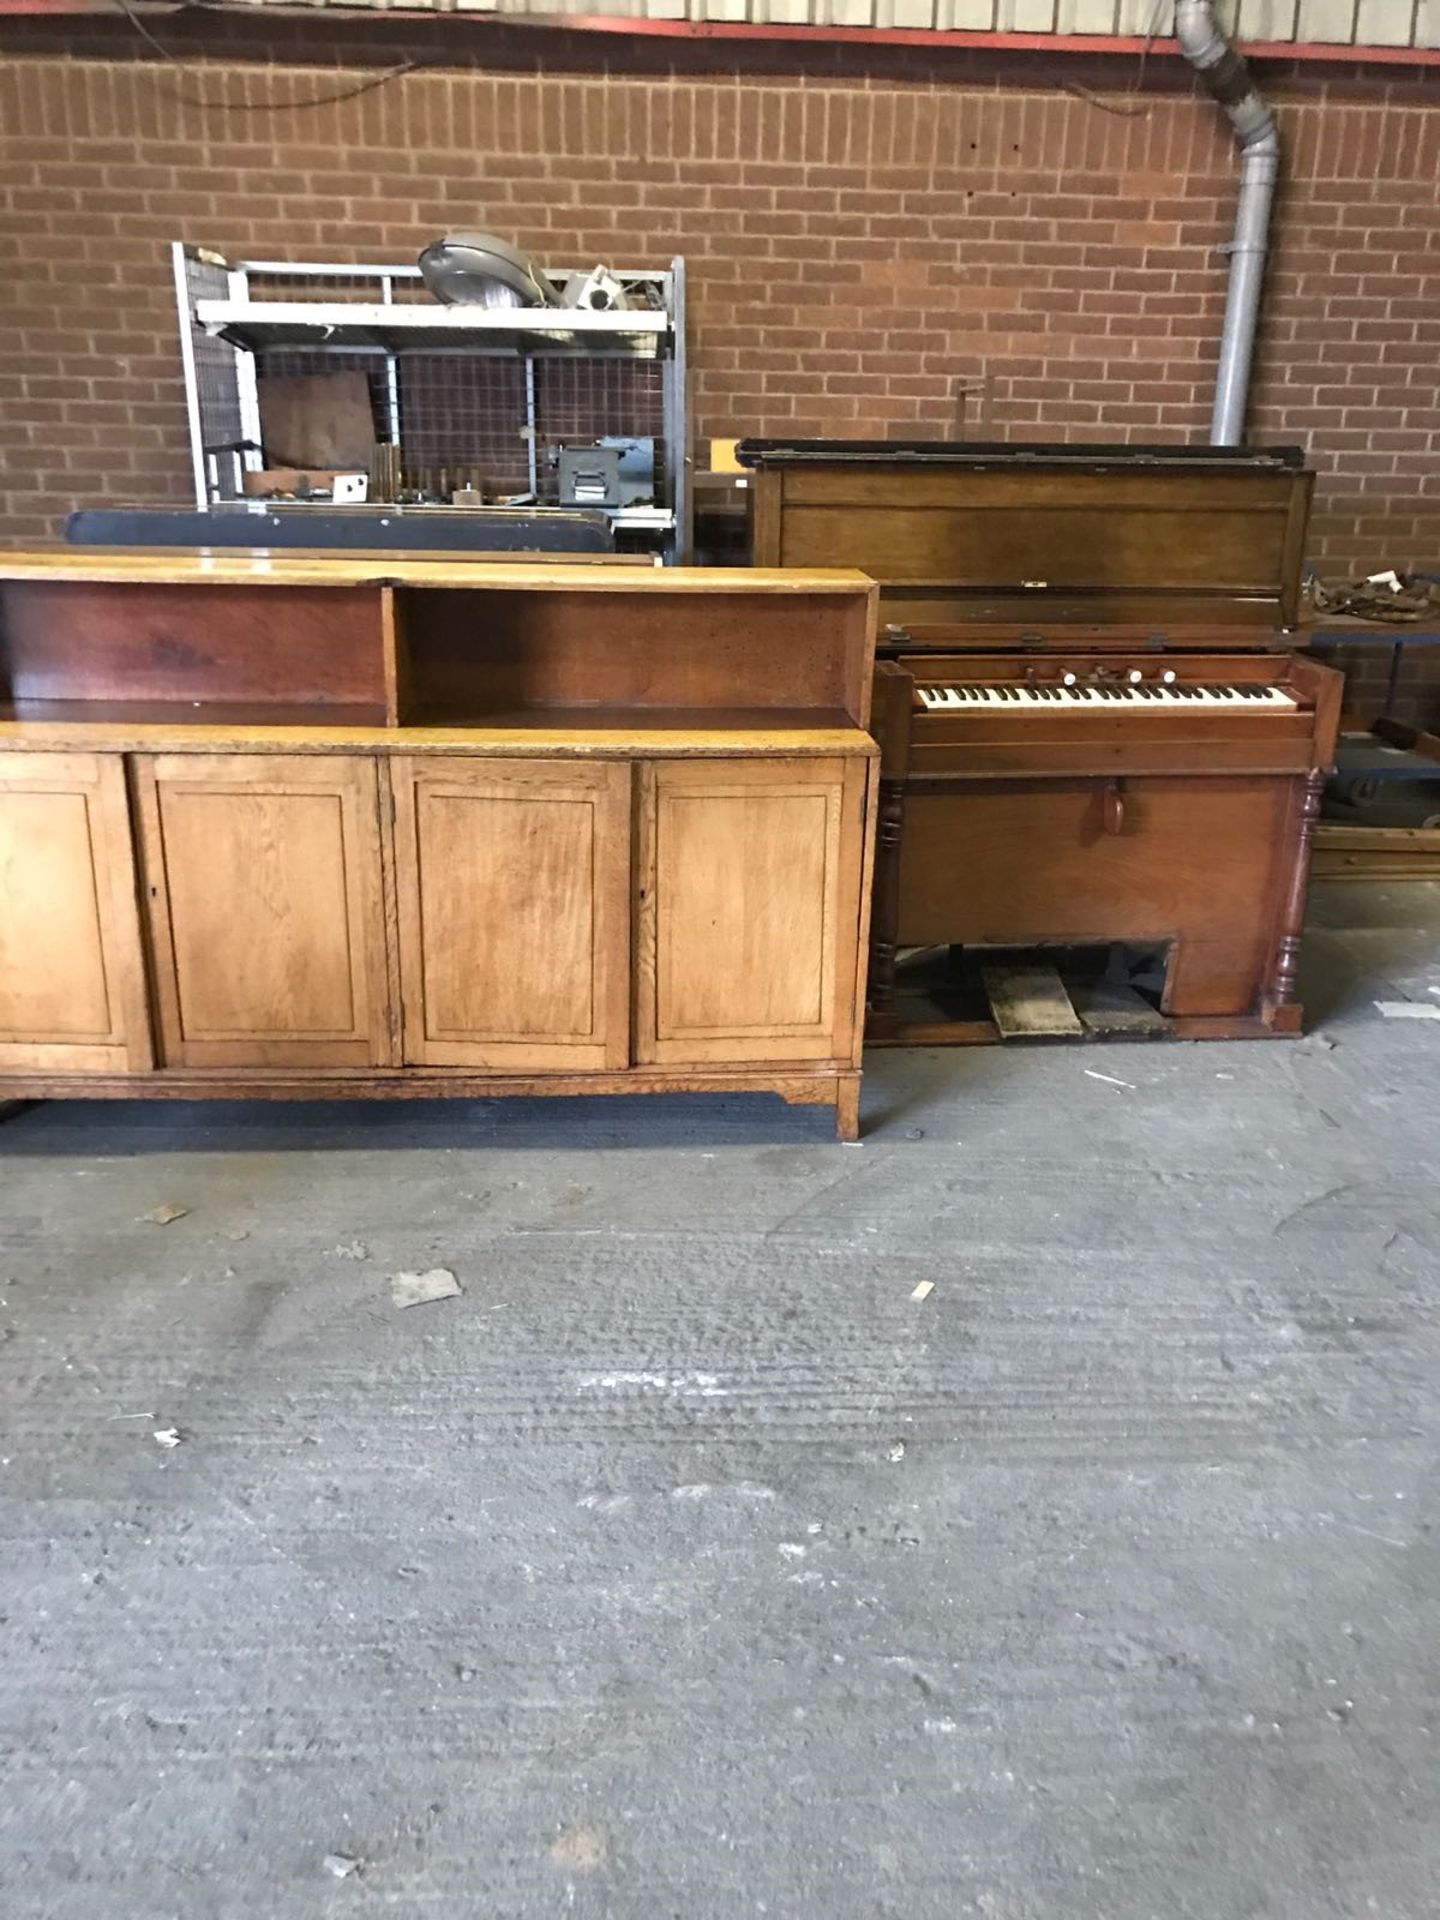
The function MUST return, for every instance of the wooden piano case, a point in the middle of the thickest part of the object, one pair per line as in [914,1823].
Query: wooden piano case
[1034,827]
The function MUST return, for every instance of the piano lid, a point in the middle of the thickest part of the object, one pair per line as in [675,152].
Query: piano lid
[1094,455]
[1034,532]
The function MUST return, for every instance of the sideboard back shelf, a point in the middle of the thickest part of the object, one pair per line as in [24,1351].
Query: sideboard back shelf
[428,643]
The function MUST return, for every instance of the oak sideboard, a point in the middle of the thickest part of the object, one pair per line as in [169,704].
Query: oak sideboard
[307,827]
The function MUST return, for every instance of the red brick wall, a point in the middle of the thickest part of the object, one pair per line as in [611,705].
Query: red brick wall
[866,234]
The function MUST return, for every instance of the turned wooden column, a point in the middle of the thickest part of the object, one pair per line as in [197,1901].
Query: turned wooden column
[1292,917]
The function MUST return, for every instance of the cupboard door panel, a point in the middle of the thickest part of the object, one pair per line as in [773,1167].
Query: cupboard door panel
[750,905]
[263,876]
[513,886]
[72,985]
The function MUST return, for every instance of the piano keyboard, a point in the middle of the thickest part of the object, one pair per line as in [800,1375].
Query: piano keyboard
[1060,699]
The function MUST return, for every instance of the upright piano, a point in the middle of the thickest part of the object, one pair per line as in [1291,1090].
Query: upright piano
[1100,758]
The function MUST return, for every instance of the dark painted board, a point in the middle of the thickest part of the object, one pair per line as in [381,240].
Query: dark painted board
[479,532]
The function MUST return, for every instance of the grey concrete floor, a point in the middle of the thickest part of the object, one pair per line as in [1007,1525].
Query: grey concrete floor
[686,1565]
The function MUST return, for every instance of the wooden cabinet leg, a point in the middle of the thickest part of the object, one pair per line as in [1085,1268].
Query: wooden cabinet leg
[847,1106]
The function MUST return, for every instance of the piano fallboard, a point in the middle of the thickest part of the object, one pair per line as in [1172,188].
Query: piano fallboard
[1050,626]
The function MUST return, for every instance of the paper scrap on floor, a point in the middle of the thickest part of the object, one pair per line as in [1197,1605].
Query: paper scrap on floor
[416,1289]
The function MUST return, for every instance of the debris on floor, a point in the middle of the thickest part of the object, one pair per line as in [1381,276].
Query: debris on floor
[416,1289]
[1109,1079]
[924,1290]
[897,1452]
[584,1847]
[1407,1010]
[166,1436]
[162,1216]
[341,1865]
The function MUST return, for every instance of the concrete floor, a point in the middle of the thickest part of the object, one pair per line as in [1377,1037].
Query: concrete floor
[686,1566]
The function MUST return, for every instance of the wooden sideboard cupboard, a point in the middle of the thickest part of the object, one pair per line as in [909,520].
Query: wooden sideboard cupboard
[288,828]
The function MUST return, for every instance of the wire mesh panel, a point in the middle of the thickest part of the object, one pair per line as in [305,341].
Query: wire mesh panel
[364,286]
[465,413]
[580,401]
[217,425]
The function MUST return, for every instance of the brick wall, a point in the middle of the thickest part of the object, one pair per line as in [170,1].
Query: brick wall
[868,233]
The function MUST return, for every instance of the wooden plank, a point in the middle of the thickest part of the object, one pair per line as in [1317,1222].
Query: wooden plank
[1029,1001]
[1333,836]
[1375,853]
[177,735]
[799,1082]
[291,568]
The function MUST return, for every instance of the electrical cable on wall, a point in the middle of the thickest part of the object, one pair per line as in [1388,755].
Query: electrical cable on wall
[353,92]
[1130,112]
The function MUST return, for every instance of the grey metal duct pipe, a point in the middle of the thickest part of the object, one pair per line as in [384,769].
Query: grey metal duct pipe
[1228,78]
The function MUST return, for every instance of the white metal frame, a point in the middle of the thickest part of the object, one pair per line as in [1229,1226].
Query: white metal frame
[242,315]
[375,326]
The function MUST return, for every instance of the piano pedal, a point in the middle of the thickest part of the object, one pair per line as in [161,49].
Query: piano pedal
[1030,1002]
[958,994]
[1111,1007]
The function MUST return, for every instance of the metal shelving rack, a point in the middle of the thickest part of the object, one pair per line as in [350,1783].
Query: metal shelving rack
[493,388]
